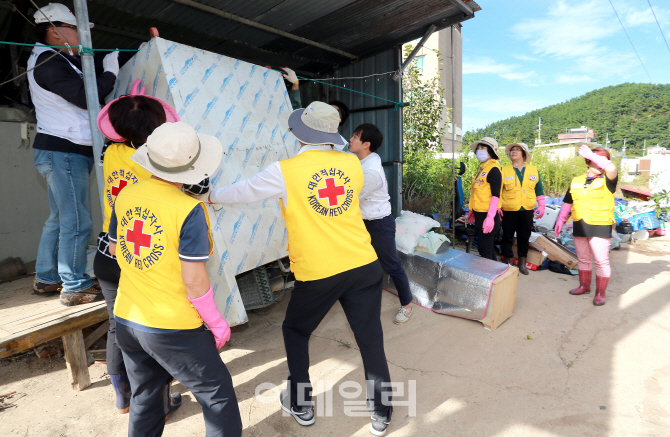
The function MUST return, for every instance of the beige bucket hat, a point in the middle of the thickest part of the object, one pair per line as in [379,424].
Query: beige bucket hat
[523,146]
[486,141]
[177,153]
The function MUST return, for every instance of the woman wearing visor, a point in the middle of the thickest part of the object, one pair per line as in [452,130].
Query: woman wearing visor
[485,195]
[521,189]
[590,198]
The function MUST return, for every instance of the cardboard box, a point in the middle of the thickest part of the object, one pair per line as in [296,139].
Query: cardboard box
[557,252]
[529,266]
[534,256]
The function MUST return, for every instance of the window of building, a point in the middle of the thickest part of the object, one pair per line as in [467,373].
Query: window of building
[420,62]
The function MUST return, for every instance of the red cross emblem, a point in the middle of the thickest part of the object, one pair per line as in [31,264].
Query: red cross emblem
[116,189]
[331,192]
[138,237]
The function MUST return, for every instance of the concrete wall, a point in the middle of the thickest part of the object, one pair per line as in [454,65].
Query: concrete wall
[25,206]
[659,174]
[629,168]
[444,41]
[562,152]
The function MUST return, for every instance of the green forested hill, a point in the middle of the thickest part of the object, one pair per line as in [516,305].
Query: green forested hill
[633,111]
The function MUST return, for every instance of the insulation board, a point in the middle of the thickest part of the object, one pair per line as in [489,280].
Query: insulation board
[246,107]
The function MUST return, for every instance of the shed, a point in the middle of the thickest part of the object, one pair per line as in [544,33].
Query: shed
[340,39]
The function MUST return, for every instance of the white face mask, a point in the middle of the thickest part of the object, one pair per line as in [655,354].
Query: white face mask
[482,155]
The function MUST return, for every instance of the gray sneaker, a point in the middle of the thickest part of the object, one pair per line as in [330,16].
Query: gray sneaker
[303,415]
[380,423]
[402,316]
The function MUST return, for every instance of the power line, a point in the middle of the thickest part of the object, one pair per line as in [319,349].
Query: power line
[659,25]
[357,77]
[631,41]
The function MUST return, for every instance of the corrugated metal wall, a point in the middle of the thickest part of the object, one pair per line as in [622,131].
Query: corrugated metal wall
[387,118]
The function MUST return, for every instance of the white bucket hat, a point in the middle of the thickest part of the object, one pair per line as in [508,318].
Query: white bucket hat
[316,124]
[56,12]
[176,153]
[523,146]
[486,141]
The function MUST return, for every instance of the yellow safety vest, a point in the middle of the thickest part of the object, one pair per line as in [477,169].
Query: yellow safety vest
[519,194]
[480,194]
[151,291]
[326,233]
[119,171]
[593,204]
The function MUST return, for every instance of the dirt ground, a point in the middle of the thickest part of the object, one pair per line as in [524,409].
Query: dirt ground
[587,371]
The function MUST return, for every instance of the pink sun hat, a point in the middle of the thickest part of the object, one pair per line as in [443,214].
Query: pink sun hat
[105,125]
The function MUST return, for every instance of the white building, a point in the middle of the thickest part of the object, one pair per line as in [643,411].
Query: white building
[658,150]
[430,66]
[566,149]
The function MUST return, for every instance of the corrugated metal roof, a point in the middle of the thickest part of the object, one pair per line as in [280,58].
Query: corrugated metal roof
[360,27]
[370,29]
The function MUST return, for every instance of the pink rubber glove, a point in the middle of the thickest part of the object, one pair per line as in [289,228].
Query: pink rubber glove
[539,212]
[210,314]
[566,209]
[599,160]
[471,217]
[489,221]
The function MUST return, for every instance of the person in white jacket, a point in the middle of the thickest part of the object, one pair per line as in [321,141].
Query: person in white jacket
[376,209]
[63,153]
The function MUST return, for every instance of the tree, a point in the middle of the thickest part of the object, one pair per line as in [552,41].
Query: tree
[634,111]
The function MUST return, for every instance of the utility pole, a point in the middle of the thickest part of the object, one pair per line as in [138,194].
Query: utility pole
[91,89]
[624,147]
[539,131]
[644,149]
[607,137]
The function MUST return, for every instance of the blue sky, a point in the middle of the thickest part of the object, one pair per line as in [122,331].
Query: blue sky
[521,55]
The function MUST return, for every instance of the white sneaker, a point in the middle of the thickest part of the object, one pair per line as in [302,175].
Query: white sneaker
[402,316]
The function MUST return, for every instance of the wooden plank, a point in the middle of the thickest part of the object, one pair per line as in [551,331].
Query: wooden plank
[501,301]
[53,329]
[75,358]
[61,312]
[95,335]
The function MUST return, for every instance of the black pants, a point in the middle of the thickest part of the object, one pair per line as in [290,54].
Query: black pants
[382,234]
[108,272]
[485,241]
[360,293]
[520,222]
[190,356]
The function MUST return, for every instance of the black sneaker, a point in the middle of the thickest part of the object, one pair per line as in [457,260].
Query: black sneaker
[72,298]
[173,404]
[171,401]
[380,423]
[42,289]
[303,415]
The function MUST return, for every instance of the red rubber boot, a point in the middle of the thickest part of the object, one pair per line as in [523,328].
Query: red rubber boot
[601,287]
[584,283]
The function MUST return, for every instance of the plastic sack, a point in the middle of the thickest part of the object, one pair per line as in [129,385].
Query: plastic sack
[567,240]
[409,227]
[615,242]
[431,242]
